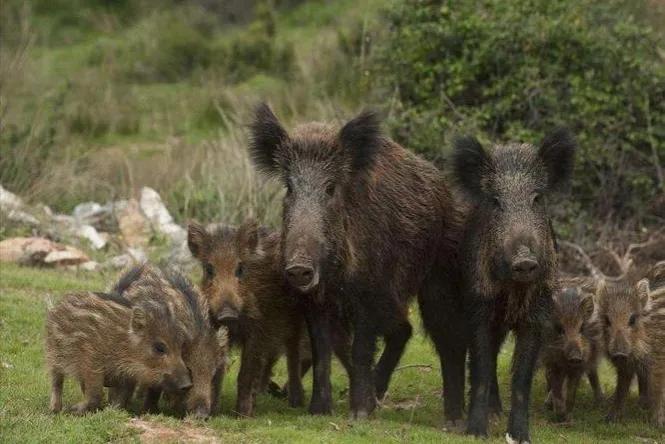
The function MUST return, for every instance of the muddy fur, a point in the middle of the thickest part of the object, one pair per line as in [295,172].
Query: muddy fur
[364,224]
[101,342]
[508,261]
[572,348]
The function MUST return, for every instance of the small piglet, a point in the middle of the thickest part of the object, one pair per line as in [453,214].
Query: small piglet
[104,340]
[571,349]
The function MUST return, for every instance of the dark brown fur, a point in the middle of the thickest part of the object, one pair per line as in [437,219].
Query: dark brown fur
[573,348]
[364,222]
[204,350]
[246,291]
[622,310]
[509,263]
[103,340]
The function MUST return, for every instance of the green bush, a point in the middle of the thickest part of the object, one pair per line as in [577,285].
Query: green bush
[512,70]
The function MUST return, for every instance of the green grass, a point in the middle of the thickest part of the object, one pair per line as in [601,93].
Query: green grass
[412,414]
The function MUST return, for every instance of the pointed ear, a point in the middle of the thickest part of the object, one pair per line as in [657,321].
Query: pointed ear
[361,138]
[266,135]
[470,164]
[139,320]
[248,237]
[198,240]
[557,151]
[587,305]
[643,292]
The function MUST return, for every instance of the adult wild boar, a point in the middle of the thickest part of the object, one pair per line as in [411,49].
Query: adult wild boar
[508,261]
[364,223]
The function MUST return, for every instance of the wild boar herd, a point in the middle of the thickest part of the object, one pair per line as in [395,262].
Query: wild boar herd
[367,226]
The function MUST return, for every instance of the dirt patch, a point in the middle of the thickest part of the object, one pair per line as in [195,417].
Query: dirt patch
[155,432]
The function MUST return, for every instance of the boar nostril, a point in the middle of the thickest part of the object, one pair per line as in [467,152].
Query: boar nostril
[524,266]
[300,276]
[201,413]
[228,315]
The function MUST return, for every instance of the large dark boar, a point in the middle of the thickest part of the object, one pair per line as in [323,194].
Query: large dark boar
[364,224]
[204,349]
[508,262]
[623,308]
[573,348]
[101,339]
[246,291]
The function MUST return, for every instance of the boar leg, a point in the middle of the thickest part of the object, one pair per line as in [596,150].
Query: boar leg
[295,389]
[495,407]
[363,397]
[624,378]
[482,363]
[251,365]
[151,399]
[121,394]
[93,394]
[657,396]
[643,387]
[592,375]
[395,343]
[215,391]
[556,380]
[341,342]
[318,327]
[527,348]
[57,380]
[573,383]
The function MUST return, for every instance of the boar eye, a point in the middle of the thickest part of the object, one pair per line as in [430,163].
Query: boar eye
[607,320]
[240,270]
[497,203]
[330,189]
[632,320]
[159,348]
[209,270]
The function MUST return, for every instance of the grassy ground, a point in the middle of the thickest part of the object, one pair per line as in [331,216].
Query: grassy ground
[412,412]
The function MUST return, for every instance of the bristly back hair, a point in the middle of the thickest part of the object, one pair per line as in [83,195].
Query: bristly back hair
[361,136]
[118,298]
[185,288]
[128,278]
[266,135]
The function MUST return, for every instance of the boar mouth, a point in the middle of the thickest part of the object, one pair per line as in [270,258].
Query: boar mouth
[302,277]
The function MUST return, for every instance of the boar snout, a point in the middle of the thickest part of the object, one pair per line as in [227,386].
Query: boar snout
[524,265]
[179,379]
[574,355]
[620,347]
[228,316]
[302,277]
[200,410]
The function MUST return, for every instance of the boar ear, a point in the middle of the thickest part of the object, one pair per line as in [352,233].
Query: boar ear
[139,320]
[266,135]
[248,237]
[643,292]
[361,138]
[470,164]
[587,305]
[198,240]
[557,151]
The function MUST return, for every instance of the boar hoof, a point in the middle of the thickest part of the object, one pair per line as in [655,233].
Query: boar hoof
[454,425]
[643,402]
[476,429]
[79,409]
[359,414]
[613,416]
[511,440]
[320,408]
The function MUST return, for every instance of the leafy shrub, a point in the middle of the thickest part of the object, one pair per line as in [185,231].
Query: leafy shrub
[512,70]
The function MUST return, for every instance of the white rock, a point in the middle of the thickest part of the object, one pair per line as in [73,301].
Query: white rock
[90,233]
[154,209]
[117,262]
[89,266]
[133,225]
[68,256]
[137,255]
[9,200]
[22,217]
[85,210]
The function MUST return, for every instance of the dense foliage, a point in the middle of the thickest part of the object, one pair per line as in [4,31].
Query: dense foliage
[511,70]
